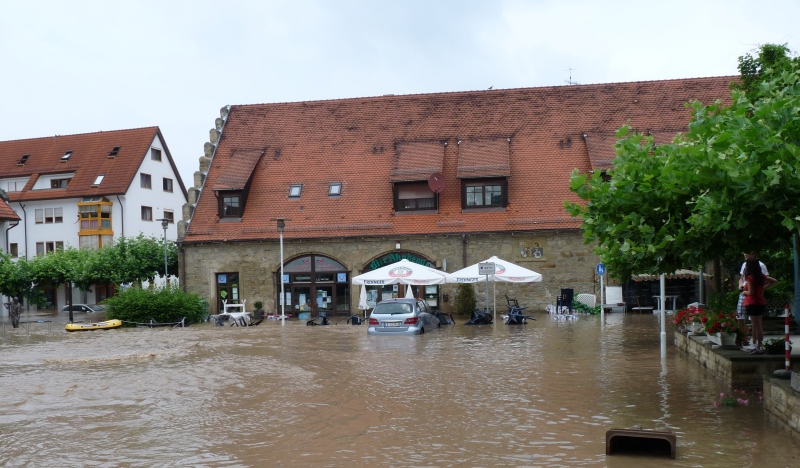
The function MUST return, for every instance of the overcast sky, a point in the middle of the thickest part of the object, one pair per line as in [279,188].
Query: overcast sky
[84,66]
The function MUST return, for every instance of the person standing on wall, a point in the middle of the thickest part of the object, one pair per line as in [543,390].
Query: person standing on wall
[754,302]
[741,313]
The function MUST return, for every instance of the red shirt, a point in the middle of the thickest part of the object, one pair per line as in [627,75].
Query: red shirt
[756,296]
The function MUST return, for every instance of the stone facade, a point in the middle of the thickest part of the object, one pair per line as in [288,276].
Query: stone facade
[732,366]
[564,262]
[782,405]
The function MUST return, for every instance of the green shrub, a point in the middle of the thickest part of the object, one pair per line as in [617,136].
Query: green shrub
[465,300]
[164,305]
[724,301]
[581,307]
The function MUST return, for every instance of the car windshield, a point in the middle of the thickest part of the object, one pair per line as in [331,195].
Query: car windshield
[95,307]
[392,308]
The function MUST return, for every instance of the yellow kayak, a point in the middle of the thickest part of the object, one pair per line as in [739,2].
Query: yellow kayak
[107,325]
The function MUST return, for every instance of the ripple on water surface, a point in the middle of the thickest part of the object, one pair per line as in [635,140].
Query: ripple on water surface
[543,394]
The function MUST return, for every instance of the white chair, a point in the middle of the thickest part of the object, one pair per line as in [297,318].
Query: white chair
[589,300]
[614,299]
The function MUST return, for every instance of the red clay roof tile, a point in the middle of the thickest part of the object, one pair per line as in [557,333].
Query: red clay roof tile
[89,159]
[6,213]
[316,143]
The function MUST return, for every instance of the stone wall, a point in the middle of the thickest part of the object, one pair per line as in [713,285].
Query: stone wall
[566,262]
[737,369]
[782,405]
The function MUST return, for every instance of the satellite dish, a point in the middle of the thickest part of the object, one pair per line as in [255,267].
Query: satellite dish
[436,182]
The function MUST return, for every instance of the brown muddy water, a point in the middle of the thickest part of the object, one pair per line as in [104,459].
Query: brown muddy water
[539,395]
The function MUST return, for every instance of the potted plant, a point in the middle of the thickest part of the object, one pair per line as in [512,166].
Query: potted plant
[776,346]
[689,319]
[465,300]
[722,327]
[259,312]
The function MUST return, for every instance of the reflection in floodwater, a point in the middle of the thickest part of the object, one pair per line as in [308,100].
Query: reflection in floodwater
[543,394]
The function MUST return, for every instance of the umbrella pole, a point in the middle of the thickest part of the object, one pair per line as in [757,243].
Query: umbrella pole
[494,290]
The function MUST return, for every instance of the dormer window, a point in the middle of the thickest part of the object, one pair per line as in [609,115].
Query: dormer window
[59,183]
[66,156]
[414,196]
[484,193]
[230,204]
[114,151]
[99,179]
[24,159]
[295,190]
[335,189]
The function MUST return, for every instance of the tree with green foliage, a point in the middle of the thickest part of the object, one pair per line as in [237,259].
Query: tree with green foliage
[163,305]
[730,184]
[17,279]
[134,259]
[465,300]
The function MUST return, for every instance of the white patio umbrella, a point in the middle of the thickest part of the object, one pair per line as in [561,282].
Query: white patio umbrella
[503,271]
[362,300]
[402,272]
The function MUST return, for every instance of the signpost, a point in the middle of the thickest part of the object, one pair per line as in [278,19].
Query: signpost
[487,269]
[601,270]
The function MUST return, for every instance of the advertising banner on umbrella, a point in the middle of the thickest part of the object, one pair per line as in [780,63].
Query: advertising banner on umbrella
[504,271]
[402,272]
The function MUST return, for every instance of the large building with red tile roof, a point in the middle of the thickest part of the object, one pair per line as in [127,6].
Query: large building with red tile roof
[85,190]
[444,179]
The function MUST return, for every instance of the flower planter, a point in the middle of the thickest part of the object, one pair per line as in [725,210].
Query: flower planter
[694,328]
[722,339]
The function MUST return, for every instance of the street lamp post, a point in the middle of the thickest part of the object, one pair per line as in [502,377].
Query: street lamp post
[165,224]
[281,225]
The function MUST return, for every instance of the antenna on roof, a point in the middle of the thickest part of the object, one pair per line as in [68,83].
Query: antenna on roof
[569,81]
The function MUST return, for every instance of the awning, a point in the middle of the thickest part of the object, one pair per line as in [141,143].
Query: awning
[237,172]
[677,274]
[417,161]
[483,158]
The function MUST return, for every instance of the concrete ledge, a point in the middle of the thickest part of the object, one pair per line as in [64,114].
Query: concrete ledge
[782,405]
[732,366]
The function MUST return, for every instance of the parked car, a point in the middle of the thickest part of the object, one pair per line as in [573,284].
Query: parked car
[402,317]
[88,308]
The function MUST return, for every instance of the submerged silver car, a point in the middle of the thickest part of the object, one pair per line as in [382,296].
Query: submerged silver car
[402,317]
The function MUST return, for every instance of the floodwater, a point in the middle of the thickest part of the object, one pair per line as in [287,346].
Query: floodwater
[539,395]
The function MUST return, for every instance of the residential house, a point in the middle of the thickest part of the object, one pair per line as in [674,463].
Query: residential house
[86,190]
[443,179]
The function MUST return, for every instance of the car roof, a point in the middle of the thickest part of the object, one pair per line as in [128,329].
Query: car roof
[399,300]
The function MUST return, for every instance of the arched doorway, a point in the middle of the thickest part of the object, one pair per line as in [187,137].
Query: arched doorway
[314,284]
[377,294]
